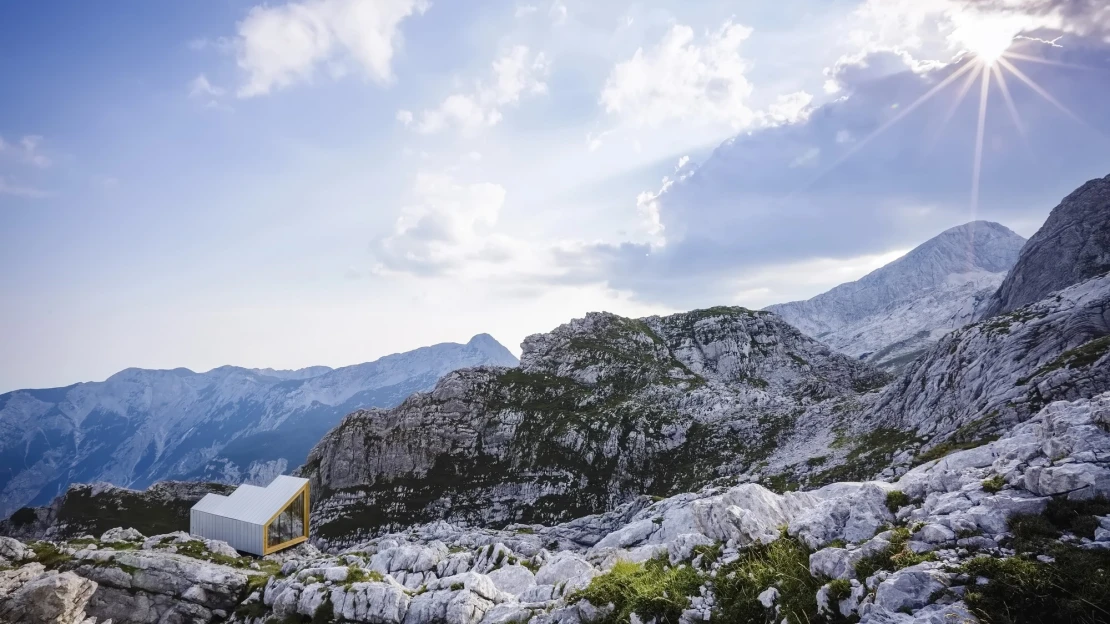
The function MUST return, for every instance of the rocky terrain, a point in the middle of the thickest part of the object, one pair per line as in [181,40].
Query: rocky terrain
[229,424]
[889,316]
[1072,246]
[599,410]
[978,535]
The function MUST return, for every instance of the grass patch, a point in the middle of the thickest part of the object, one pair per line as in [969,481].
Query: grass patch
[651,590]
[356,574]
[951,446]
[783,564]
[49,555]
[994,484]
[893,557]
[839,589]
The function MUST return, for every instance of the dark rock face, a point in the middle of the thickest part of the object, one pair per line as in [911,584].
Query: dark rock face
[1072,246]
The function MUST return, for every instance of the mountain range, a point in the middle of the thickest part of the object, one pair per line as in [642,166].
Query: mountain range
[717,465]
[229,424]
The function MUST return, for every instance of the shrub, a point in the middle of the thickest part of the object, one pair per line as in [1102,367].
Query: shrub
[652,590]
[839,589]
[457,586]
[894,557]
[896,499]
[994,484]
[325,613]
[1077,516]
[783,564]
[1075,588]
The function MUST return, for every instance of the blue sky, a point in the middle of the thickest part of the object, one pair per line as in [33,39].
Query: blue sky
[328,181]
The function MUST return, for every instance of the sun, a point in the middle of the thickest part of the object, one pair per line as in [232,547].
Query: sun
[986,39]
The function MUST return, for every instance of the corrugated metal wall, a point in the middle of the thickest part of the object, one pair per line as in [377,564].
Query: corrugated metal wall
[241,535]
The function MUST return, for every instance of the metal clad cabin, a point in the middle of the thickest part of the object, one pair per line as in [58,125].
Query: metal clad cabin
[256,520]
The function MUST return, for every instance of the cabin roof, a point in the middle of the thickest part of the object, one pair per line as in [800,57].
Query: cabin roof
[251,503]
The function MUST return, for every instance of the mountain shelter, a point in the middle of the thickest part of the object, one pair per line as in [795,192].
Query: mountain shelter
[256,520]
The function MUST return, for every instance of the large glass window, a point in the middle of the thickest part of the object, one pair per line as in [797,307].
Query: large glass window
[289,524]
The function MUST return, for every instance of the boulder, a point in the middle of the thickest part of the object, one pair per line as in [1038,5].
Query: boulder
[118,534]
[48,598]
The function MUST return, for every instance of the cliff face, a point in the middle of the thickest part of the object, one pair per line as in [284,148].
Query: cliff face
[1072,246]
[599,410]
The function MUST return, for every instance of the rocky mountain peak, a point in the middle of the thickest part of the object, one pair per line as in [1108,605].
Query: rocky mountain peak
[890,315]
[1072,246]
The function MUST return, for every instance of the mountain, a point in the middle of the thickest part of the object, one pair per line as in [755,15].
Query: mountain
[600,409]
[990,505]
[1072,246]
[890,315]
[229,424]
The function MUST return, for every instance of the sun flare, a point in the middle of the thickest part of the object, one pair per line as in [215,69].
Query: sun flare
[986,39]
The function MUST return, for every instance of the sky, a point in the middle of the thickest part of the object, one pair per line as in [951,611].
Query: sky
[324,182]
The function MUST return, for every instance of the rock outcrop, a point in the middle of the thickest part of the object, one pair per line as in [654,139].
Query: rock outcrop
[1072,246]
[600,410]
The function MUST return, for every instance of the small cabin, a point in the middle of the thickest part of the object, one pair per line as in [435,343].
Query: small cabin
[255,520]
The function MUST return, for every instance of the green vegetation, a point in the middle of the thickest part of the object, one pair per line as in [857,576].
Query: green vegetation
[868,454]
[1072,587]
[525,531]
[947,448]
[894,557]
[783,564]
[994,484]
[1079,357]
[325,613]
[839,589]
[651,590]
[896,499]
[813,462]
[356,574]
[49,555]
[709,553]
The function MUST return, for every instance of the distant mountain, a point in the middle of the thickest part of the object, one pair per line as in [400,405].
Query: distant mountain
[1072,246]
[890,315]
[229,424]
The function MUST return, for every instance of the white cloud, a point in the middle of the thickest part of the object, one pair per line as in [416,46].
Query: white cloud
[446,227]
[806,158]
[7,188]
[684,78]
[800,280]
[27,151]
[558,12]
[517,73]
[200,87]
[524,10]
[405,117]
[279,46]
[788,109]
